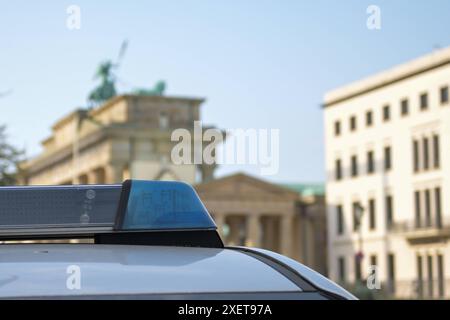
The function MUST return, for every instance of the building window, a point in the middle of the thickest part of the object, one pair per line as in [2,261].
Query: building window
[426,157]
[387,158]
[163,120]
[372,215]
[436,153]
[426,153]
[437,206]
[444,95]
[416,155]
[441,280]
[427,208]
[373,260]
[404,107]
[391,272]
[338,169]
[386,113]
[432,213]
[352,123]
[342,272]
[370,162]
[430,275]
[419,276]
[340,219]
[356,218]
[423,101]
[389,212]
[417,207]
[354,165]
[358,271]
[369,118]
[337,128]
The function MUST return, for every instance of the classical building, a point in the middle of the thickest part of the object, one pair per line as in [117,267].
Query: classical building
[289,219]
[388,174]
[129,136]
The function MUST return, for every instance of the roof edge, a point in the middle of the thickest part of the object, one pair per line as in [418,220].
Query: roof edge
[390,76]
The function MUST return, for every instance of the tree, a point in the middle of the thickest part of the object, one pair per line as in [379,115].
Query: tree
[9,160]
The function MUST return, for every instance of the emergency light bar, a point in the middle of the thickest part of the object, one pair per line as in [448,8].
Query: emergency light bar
[136,212]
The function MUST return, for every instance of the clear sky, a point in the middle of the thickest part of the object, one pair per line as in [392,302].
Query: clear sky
[260,64]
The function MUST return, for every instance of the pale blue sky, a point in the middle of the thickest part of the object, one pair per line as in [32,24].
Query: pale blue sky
[260,64]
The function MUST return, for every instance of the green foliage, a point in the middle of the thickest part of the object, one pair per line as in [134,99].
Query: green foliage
[362,292]
[9,160]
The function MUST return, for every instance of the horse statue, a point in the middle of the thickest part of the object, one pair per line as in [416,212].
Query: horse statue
[157,90]
[107,89]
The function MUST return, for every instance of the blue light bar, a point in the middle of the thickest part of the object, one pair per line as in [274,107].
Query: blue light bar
[161,205]
[40,207]
[134,213]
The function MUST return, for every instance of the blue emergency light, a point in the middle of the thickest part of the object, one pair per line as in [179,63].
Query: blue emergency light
[163,205]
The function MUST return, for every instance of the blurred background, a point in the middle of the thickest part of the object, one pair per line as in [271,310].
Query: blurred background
[91,93]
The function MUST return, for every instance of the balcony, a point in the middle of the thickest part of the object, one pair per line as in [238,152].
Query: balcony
[435,289]
[415,233]
[425,289]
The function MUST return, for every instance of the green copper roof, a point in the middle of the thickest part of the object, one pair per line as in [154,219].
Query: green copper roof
[306,189]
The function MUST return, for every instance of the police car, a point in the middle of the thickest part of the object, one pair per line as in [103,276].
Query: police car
[137,240]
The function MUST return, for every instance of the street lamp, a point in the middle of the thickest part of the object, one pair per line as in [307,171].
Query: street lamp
[82,116]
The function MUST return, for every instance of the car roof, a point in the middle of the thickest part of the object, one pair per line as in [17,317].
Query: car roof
[28,270]
[315,278]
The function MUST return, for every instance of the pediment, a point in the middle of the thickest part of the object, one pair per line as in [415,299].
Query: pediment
[242,186]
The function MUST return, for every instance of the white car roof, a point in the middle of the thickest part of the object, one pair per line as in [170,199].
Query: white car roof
[39,270]
[313,277]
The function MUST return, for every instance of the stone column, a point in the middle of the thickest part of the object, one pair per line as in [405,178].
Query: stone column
[75,175]
[271,233]
[92,177]
[114,173]
[286,235]
[219,218]
[83,179]
[253,230]
[76,180]
[207,172]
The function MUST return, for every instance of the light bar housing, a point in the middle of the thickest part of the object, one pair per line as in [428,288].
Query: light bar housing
[136,212]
